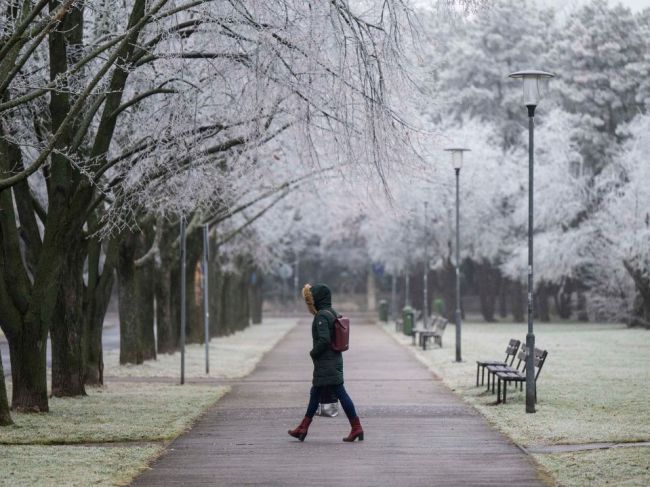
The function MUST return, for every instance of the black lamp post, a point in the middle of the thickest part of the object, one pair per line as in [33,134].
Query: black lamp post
[534,82]
[425,276]
[457,162]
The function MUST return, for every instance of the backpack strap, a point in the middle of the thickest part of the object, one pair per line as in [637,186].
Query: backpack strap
[331,314]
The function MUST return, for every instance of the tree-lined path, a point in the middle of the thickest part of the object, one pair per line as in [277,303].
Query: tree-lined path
[417,431]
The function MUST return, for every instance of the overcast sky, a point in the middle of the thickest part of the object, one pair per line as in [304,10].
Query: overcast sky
[633,4]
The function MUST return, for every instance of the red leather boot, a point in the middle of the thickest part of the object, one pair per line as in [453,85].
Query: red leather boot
[357,430]
[301,431]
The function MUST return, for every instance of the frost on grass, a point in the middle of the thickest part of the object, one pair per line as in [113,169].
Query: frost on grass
[231,357]
[45,466]
[623,467]
[593,387]
[115,413]
[124,412]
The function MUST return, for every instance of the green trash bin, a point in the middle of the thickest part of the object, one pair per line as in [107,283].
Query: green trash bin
[383,311]
[439,306]
[408,317]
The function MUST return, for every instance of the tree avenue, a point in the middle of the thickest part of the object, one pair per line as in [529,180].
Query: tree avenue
[282,126]
[118,117]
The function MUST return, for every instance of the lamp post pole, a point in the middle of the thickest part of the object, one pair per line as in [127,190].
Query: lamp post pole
[457,162]
[183,303]
[425,277]
[407,275]
[457,314]
[206,308]
[531,394]
[533,82]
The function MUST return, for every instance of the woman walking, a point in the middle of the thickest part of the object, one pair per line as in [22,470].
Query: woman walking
[328,363]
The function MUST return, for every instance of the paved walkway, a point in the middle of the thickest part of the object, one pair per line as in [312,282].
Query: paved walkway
[418,433]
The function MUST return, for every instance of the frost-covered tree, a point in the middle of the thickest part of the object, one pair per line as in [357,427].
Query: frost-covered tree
[479,52]
[102,110]
[618,243]
[598,49]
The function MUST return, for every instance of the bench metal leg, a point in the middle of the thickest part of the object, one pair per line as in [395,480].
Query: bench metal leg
[498,389]
[505,388]
[477,367]
[494,378]
[483,375]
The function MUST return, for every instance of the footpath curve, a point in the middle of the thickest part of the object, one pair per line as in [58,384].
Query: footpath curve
[418,433]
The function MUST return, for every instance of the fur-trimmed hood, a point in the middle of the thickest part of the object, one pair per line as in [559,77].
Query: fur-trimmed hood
[317,297]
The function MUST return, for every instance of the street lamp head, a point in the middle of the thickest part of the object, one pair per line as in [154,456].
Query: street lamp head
[457,156]
[535,83]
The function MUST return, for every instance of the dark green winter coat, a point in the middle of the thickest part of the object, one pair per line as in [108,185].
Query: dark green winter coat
[328,364]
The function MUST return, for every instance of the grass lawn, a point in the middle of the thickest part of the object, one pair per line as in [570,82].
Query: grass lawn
[593,388]
[231,357]
[109,436]
[114,413]
[56,466]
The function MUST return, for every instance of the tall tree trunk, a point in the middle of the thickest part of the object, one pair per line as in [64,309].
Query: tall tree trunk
[129,287]
[371,291]
[503,295]
[562,298]
[581,307]
[244,315]
[164,315]
[98,296]
[215,299]
[487,278]
[166,288]
[5,417]
[256,296]
[229,303]
[194,301]
[147,310]
[517,301]
[94,324]
[28,372]
[542,309]
[145,277]
[448,287]
[223,299]
[641,307]
[66,331]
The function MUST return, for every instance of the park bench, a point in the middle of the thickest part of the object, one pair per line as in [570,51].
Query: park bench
[511,352]
[506,376]
[436,333]
[493,369]
[430,323]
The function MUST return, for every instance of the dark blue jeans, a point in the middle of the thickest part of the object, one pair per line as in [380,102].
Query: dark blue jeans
[341,394]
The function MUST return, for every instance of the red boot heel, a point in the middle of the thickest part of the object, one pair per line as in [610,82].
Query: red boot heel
[301,431]
[356,432]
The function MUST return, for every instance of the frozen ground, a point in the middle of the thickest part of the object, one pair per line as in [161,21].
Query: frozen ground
[593,388]
[109,436]
[231,357]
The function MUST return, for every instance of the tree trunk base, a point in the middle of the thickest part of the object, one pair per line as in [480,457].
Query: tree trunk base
[68,386]
[29,402]
[5,416]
